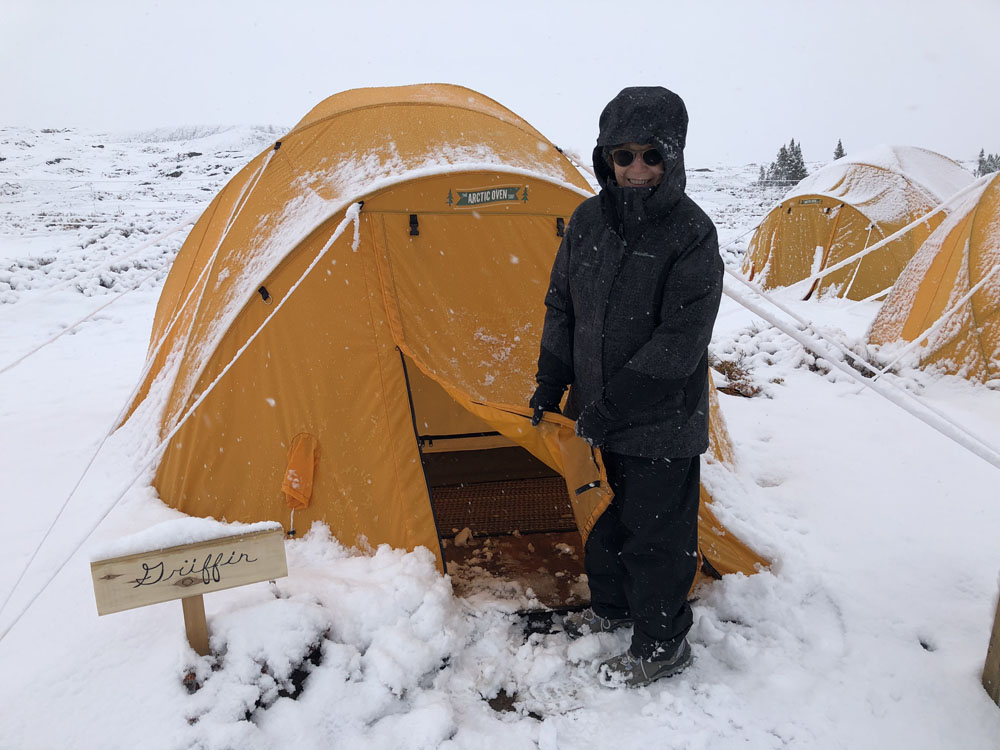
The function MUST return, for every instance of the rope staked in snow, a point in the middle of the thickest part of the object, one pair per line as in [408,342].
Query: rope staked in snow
[740,237]
[77,324]
[190,219]
[237,208]
[106,264]
[92,313]
[808,327]
[873,297]
[943,425]
[351,215]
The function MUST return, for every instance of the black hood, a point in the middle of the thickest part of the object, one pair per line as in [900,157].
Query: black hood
[644,114]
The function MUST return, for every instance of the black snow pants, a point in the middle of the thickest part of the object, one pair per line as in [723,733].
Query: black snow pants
[642,555]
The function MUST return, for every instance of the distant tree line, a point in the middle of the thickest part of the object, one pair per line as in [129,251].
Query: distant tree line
[988,163]
[788,167]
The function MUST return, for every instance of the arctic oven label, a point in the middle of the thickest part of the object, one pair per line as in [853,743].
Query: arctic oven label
[474,198]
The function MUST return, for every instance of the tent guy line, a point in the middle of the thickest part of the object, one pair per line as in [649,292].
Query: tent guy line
[234,214]
[943,425]
[351,216]
[107,264]
[809,328]
[857,268]
[72,327]
[187,220]
[62,509]
[115,423]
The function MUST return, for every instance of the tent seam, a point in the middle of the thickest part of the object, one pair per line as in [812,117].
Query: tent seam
[378,357]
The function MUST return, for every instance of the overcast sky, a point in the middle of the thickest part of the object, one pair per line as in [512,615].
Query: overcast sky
[753,74]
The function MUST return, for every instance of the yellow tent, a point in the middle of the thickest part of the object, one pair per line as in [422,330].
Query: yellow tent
[951,289]
[846,207]
[354,322]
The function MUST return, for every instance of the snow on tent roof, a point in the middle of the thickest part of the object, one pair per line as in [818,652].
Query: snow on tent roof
[848,180]
[350,145]
[839,211]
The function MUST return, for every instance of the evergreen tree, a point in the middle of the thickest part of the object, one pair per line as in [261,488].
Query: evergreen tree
[763,175]
[839,153]
[988,163]
[789,165]
[796,165]
[781,164]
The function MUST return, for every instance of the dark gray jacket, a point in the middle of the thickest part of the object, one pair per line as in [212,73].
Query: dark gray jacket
[634,292]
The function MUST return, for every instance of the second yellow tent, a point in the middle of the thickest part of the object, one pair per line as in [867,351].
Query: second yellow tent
[840,211]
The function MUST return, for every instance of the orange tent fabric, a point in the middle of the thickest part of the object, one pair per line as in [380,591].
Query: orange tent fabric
[948,296]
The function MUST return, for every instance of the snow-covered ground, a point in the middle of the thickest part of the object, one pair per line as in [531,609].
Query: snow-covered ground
[868,631]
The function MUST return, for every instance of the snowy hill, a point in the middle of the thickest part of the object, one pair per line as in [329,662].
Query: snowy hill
[868,631]
[72,199]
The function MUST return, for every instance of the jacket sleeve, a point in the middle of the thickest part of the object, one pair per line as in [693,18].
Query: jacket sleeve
[676,352]
[555,360]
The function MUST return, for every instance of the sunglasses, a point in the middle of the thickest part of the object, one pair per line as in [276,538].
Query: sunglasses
[623,156]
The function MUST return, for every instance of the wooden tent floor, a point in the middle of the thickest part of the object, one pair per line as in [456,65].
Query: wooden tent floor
[527,506]
[544,567]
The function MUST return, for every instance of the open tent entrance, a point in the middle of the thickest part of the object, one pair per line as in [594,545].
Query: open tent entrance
[516,507]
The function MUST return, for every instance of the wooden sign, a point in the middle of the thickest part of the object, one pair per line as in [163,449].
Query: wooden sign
[187,572]
[991,672]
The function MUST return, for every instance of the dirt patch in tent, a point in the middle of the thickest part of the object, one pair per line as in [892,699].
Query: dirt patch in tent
[507,528]
[545,567]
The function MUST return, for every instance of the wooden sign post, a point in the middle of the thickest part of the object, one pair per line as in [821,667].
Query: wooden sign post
[187,572]
[991,672]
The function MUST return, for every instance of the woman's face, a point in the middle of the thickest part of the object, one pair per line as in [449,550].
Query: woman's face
[638,173]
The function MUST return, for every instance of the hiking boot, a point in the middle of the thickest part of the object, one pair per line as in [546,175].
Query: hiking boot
[626,670]
[586,622]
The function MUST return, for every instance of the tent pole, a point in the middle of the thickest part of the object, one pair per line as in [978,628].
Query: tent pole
[807,326]
[944,426]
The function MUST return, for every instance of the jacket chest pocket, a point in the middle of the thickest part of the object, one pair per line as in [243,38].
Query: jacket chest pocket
[589,273]
[638,285]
